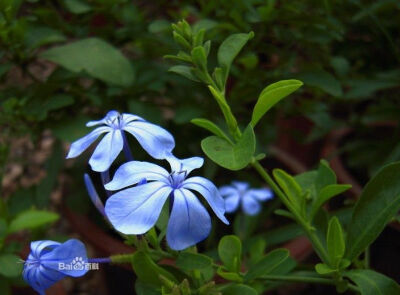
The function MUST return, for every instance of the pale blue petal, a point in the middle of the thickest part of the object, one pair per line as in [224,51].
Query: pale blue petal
[188,165]
[232,202]
[79,146]
[127,118]
[261,194]
[107,151]
[136,210]
[40,278]
[240,185]
[250,205]
[133,172]
[227,190]
[94,197]
[66,253]
[155,140]
[189,223]
[111,115]
[209,191]
[37,247]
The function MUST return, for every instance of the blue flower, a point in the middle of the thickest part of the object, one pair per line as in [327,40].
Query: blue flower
[241,193]
[49,262]
[155,140]
[135,210]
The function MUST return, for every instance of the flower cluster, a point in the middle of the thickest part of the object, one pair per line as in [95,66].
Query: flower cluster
[240,194]
[135,210]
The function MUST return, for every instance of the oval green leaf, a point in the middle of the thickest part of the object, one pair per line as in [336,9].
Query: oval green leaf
[230,252]
[32,219]
[378,204]
[271,95]
[373,283]
[96,57]
[227,155]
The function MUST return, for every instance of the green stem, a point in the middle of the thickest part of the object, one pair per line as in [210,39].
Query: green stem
[317,244]
[122,258]
[300,279]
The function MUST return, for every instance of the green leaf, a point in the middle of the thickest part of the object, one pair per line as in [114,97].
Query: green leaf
[230,48]
[77,6]
[239,289]
[271,95]
[199,57]
[324,269]
[10,265]
[146,289]
[289,185]
[31,219]
[210,126]
[326,176]
[230,276]
[233,157]
[230,252]
[326,194]
[268,264]
[96,57]
[335,242]
[192,261]
[378,204]
[373,283]
[37,36]
[184,71]
[147,271]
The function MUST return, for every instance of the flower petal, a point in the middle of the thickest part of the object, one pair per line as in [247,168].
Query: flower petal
[209,191]
[135,210]
[188,165]
[67,253]
[79,146]
[189,223]
[133,172]
[107,151]
[261,194]
[155,140]
[40,278]
[37,247]
[240,185]
[250,205]
[232,202]
[94,197]
[227,190]
[111,115]
[127,118]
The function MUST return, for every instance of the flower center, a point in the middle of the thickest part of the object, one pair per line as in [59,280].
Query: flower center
[176,178]
[116,122]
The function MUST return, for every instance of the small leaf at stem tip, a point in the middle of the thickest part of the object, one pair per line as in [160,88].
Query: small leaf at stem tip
[271,95]
[230,48]
[335,242]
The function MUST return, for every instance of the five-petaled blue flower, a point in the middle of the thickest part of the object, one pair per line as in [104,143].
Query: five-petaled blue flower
[135,210]
[49,262]
[155,140]
[240,193]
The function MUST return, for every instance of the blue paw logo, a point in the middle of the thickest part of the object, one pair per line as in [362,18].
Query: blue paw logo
[78,263]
